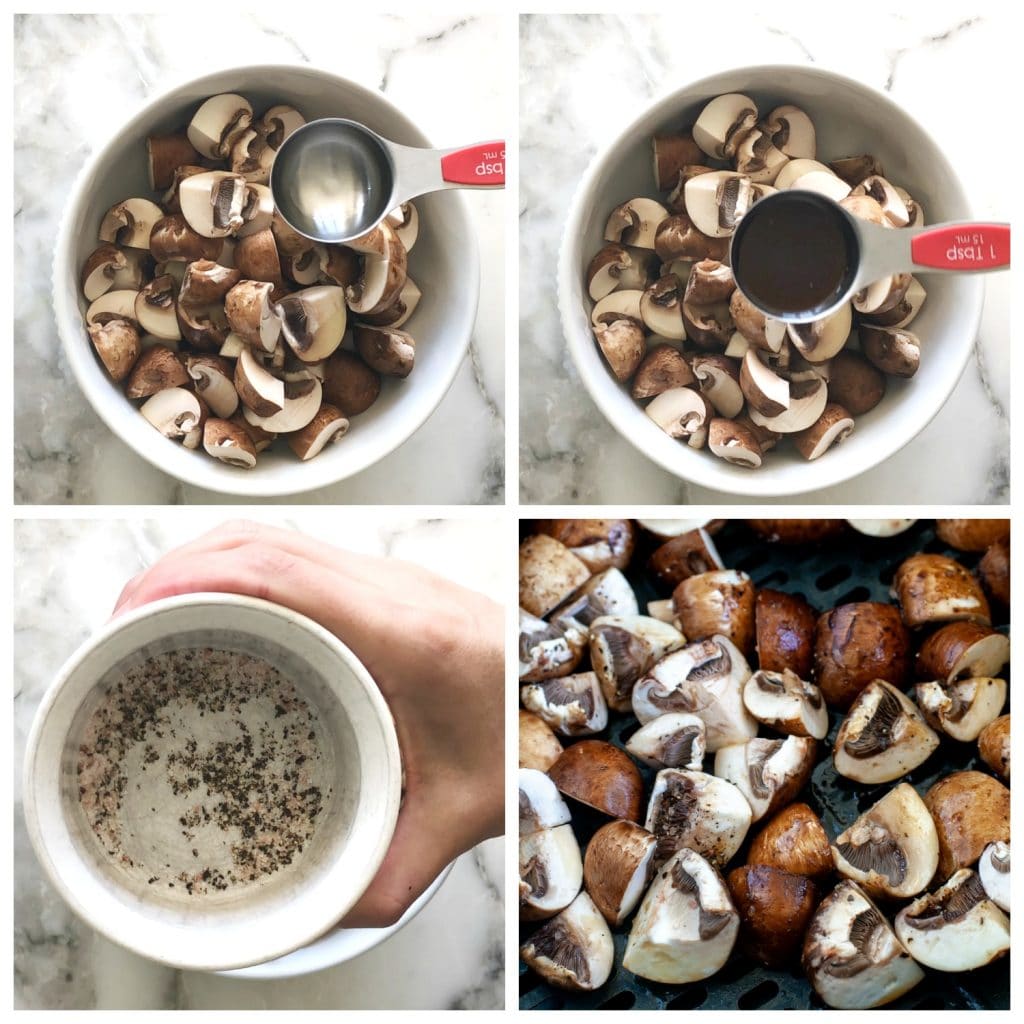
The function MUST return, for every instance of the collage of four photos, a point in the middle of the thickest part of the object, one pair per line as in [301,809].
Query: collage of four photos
[397,309]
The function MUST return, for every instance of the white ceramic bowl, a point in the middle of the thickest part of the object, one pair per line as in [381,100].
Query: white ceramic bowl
[849,118]
[285,910]
[444,263]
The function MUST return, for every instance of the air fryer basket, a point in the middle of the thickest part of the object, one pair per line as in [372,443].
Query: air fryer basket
[848,568]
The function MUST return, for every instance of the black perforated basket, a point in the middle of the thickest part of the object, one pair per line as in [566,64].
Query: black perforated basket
[849,568]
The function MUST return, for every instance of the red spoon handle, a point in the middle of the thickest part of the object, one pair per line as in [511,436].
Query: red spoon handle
[481,165]
[962,247]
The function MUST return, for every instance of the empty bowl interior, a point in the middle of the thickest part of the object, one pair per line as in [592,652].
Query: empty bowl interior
[129,888]
[443,264]
[849,119]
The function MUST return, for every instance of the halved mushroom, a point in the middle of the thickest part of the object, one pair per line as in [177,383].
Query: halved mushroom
[888,198]
[205,327]
[685,555]
[662,611]
[99,270]
[213,380]
[572,705]
[675,740]
[994,746]
[961,708]
[205,282]
[623,344]
[540,803]
[935,589]
[767,393]
[864,208]
[313,322]
[683,414]
[775,908]
[175,412]
[856,644]
[994,871]
[854,383]
[252,315]
[327,427]
[904,311]
[994,572]
[252,156]
[661,308]
[970,810]
[892,349]
[673,152]
[797,168]
[278,122]
[832,427]
[229,443]
[705,679]
[155,309]
[687,925]
[892,849]
[971,534]
[955,928]
[678,238]
[547,650]
[717,603]
[173,239]
[156,369]
[601,776]
[793,841]
[617,866]
[854,169]
[882,295]
[796,531]
[165,154]
[261,439]
[302,398]
[117,344]
[792,131]
[757,157]
[807,401]
[698,811]
[257,259]
[719,381]
[548,573]
[212,202]
[769,773]
[539,747]
[722,124]
[550,872]
[604,271]
[761,331]
[130,223]
[574,950]
[822,339]
[716,202]
[852,956]
[217,123]
[257,210]
[786,703]
[734,442]
[784,625]
[883,737]
[388,351]
[599,543]
[605,593]
[625,647]
[635,222]
[304,268]
[349,383]
[823,182]
[914,210]
[881,527]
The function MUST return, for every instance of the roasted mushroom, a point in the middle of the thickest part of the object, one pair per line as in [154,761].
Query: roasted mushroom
[547,650]
[675,740]
[962,650]
[572,705]
[625,647]
[794,841]
[784,625]
[775,909]
[994,746]
[962,708]
[548,573]
[970,810]
[934,589]
[598,543]
[786,703]
[717,603]
[539,747]
[769,773]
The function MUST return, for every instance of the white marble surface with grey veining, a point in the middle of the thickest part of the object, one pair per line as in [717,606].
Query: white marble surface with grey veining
[68,574]
[77,78]
[583,77]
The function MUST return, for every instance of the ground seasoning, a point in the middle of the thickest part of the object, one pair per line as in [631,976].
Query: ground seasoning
[225,746]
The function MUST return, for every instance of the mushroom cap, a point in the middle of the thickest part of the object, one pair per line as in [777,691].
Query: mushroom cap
[717,603]
[892,849]
[213,380]
[550,872]
[796,531]
[698,811]
[955,928]
[706,679]
[854,383]
[784,625]
[794,840]
[673,152]
[935,589]
[961,708]
[539,747]
[971,534]
[156,369]
[623,344]
[601,776]
[540,803]
[349,383]
[229,443]
[686,927]
[970,810]
[769,773]
[685,555]
[574,950]
[617,867]
[117,344]
[994,746]
[302,399]
[547,649]
[548,573]
[994,871]
[994,571]
[598,543]
[675,740]
[786,703]
[327,427]
[719,380]
[625,647]
[883,736]
[857,643]
[852,956]
[832,427]
[385,349]
[775,908]
[572,705]
[258,388]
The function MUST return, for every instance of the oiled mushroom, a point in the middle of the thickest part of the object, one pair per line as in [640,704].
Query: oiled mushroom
[625,647]
[994,572]
[539,747]
[598,543]
[689,554]
[769,773]
[675,740]
[617,866]
[548,573]
[572,705]
[550,872]
[970,810]
[962,708]
[794,841]
[601,776]
[784,625]
[775,908]
[574,950]
[605,593]
[934,589]
[971,534]
[786,703]
[547,650]
[962,650]
[994,746]
[717,603]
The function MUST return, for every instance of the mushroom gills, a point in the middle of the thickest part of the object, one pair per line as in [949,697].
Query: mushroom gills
[574,950]
[674,740]
[550,872]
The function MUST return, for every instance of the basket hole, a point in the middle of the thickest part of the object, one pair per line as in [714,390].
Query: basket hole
[751,560]
[758,995]
[689,999]
[774,577]
[620,1001]
[833,577]
[856,594]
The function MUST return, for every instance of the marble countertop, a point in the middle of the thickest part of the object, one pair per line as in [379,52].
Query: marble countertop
[926,58]
[78,77]
[68,574]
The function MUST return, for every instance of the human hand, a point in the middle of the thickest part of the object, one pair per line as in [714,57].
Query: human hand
[435,651]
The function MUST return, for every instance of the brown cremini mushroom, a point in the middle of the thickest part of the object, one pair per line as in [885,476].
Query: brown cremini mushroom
[601,776]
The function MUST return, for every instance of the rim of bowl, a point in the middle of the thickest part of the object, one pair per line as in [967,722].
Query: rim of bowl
[318,922]
[214,476]
[697,466]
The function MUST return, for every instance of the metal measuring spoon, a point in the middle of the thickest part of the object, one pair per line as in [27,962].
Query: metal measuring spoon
[798,255]
[334,180]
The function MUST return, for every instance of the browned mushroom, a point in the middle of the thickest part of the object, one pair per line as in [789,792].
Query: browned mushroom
[784,624]
[598,543]
[994,746]
[994,571]
[933,589]
[775,908]
[794,841]
[797,531]
[601,776]
[679,558]
[717,603]
[970,810]
[971,534]
[962,650]
[617,866]
[548,573]
[539,747]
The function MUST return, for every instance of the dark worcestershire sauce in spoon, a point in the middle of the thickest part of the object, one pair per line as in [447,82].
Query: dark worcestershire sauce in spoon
[794,253]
